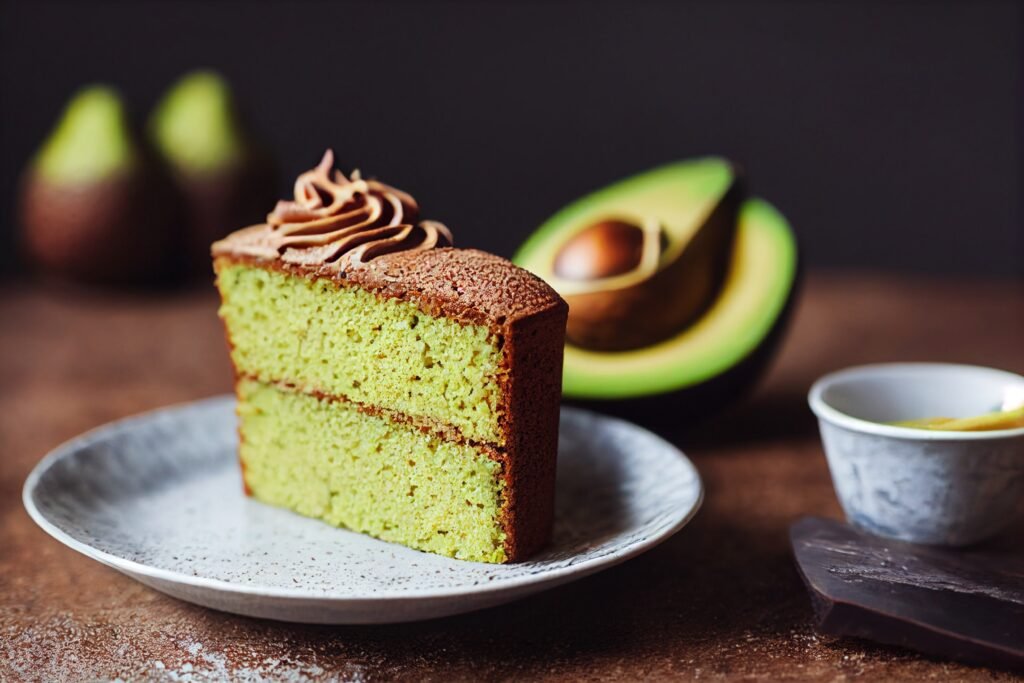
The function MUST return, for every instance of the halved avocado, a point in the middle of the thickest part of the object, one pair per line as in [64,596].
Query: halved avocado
[731,339]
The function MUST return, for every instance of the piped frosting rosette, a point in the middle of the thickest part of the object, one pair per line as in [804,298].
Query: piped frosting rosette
[337,223]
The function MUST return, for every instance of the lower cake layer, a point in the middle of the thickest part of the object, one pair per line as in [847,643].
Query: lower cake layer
[328,460]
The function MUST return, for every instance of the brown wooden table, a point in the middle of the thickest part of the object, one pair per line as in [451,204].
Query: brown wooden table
[720,600]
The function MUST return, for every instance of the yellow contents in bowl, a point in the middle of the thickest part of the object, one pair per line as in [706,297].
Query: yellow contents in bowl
[1004,419]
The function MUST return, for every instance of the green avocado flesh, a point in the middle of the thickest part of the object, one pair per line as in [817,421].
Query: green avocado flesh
[91,142]
[195,126]
[326,459]
[757,286]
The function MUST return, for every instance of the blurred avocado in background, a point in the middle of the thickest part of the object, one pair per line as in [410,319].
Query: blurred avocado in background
[94,204]
[679,284]
[101,204]
[225,179]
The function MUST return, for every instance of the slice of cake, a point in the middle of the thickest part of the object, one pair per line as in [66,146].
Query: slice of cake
[388,383]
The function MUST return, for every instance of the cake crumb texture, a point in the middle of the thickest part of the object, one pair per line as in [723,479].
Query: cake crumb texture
[328,460]
[334,339]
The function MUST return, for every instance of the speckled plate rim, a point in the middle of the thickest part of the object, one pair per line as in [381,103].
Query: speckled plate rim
[553,577]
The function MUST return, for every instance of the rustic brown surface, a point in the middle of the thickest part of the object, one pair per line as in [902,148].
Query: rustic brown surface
[720,600]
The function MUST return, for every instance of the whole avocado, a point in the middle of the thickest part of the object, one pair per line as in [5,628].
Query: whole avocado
[94,206]
[226,180]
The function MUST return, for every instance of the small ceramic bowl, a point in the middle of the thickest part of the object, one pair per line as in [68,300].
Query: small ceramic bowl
[924,486]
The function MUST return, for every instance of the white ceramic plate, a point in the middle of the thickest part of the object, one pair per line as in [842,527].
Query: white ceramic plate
[159,498]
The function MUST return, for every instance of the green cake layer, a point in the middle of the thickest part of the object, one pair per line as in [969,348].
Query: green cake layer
[344,341]
[326,459]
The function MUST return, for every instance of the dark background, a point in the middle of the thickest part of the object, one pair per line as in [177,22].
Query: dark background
[890,134]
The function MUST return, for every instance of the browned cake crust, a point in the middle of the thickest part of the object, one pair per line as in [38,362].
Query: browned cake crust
[465,284]
[527,320]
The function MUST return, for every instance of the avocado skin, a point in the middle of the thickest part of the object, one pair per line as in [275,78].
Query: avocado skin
[115,230]
[675,412]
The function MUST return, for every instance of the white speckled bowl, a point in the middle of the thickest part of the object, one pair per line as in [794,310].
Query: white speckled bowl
[934,487]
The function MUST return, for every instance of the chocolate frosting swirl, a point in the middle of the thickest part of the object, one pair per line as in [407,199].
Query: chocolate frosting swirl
[336,223]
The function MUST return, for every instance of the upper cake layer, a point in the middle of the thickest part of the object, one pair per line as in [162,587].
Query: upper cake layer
[340,340]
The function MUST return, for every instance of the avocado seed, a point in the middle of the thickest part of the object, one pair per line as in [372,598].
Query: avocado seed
[606,248]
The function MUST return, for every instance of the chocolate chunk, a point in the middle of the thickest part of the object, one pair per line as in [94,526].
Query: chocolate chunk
[955,604]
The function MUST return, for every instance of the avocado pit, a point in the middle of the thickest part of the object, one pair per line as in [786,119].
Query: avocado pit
[606,248]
